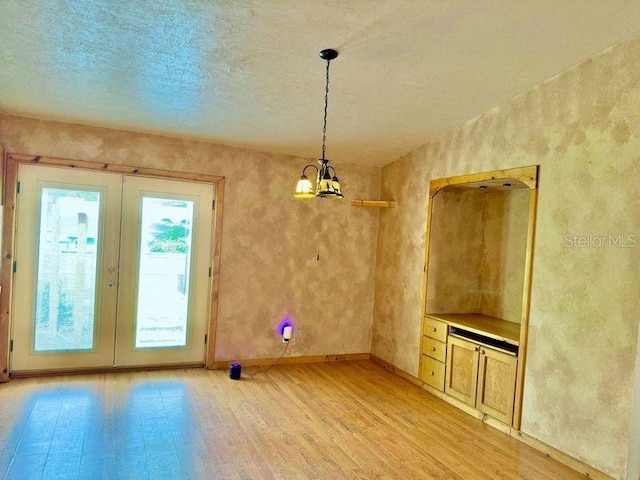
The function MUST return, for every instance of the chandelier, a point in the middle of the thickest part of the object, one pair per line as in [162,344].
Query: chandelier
[327,184]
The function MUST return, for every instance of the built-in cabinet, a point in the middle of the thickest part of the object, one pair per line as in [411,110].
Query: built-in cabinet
[480,232]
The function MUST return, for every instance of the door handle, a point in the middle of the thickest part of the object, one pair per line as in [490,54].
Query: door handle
[110,284]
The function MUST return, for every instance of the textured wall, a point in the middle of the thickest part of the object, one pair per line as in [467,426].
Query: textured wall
[582,128]
[269,239]
[506,218]
[455,262]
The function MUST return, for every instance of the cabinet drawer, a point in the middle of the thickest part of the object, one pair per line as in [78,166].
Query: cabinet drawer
[434,348]
[435,329]
[432,372]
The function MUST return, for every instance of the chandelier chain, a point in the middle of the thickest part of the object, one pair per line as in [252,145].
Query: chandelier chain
[327,183]
[326,106]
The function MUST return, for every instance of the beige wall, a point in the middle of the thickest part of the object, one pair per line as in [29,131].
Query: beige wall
[583,129]
[506,219]
[269,239]
[455,263]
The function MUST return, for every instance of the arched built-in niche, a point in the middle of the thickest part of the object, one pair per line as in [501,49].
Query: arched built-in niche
[480,233]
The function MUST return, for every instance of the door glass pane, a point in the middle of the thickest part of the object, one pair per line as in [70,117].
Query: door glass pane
[66,272]
[163,274]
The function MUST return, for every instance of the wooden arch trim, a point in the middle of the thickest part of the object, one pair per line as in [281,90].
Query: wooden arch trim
[525,176]
[522,178]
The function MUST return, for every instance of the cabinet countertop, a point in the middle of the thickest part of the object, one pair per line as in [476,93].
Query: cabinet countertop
[483,324]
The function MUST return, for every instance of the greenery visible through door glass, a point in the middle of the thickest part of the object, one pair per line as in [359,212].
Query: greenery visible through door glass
[163,273]
[170,237]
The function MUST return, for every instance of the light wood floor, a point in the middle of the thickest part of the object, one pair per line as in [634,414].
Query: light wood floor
[342,420]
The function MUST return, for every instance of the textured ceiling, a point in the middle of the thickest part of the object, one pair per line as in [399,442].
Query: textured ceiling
[246,73]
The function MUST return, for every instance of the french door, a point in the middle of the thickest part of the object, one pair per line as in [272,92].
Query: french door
[110,270]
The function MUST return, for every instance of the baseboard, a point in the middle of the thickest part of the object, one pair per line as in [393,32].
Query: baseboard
[565,459]
[561,457]
[392,368]
[265,362]
[218,365]
[90,370]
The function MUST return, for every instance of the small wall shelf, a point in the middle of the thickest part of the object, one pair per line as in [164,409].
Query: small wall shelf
[373,203]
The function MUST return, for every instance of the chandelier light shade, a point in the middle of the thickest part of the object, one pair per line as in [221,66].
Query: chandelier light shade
[327,183]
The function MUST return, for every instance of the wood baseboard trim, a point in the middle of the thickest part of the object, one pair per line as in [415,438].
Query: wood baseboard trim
[565,459]
[392,368]
[90,370]
[573,463]
[265,362]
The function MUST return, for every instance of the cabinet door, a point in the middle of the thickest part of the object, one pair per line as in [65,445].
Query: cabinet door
[496,384]
[462,370]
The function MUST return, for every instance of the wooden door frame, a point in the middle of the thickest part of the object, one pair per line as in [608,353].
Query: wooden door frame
[528,176]
[9,168]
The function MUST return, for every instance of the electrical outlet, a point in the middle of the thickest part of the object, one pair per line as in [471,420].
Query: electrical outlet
[287,333]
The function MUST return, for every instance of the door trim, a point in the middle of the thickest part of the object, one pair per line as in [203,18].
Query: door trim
[9,168]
